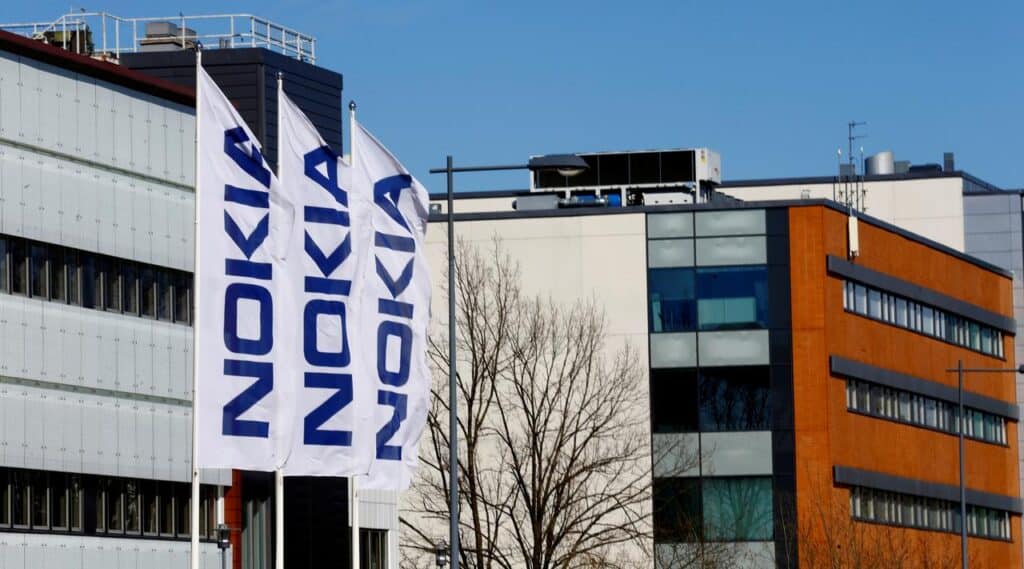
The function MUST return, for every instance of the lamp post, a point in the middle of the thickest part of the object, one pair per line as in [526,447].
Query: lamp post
[960,371]
[564,164]
[441,554]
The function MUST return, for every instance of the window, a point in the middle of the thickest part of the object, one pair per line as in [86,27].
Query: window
[132,507]
[40,500]
[677,509]
[738,509]
[912,315]
[166,509]
[58,275]
[150,511]
[373,547]
[905,407]
[671,300]
[130,284]
[732,298]
[115,506]
[182,503]
[183,299]
[19,267]
[907,510]
[90,277]
[112,285]
[73,269]
[3,265]
[165,296]
[60,508]
[38,277]
[674,401]
[147,292]
[735,399]
[20,504]
[75,492]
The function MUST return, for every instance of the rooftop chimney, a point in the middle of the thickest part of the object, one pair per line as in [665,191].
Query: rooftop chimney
[947,162]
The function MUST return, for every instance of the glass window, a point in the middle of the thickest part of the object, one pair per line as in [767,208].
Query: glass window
[874,303]
[671,300]
[147,291]
[182,501]
[5,499]
[71,262]
[38,278]
[738,509]
[130,284]
[166,508]
[132,513]
[58,275]
[183,298]
[150,511]
[730,298]
[90,277]
[860,299]
[165,295]
[373,546]
[115,506]
[19,266]
[101,506]
[112,285]
[20,503]
[677,509]
[60,510]
[40,500]
[75,492]
[3,265]
[674,407]
[735,399]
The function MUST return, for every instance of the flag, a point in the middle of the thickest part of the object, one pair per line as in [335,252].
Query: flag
[334,389]
[241,295]
[394,310]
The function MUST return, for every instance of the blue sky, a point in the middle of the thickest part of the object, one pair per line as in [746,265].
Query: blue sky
[770,85]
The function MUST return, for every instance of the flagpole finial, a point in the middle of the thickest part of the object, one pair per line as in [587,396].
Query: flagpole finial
[352,105]
[280,75]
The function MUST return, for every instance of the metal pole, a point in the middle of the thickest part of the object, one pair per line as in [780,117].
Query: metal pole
[963,486]
[196,341]
[453,402]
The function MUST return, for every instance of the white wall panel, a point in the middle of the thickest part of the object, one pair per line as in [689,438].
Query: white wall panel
[32,328]
[736,454]
[74,438]
[121,218]
[31,187]
[106,349]
[123,131]
[49,105]
[162,441]
[158,139]
[159,224]
[14,424]
[93,436]
[29,94]
[48,201]
[106,194]
[104,123]
[10,103]
[33,435]
[138,118]
[53,404]
[88,212]
[162,385]
[188,122]
[108,444]
[143,446]
[71,344]
[673,350]
[174,146]
[141,223]
[12,187]
[89,371]
[127,378]
[676,454]
[732,348]
[127,457]
[13,308]
[85,118]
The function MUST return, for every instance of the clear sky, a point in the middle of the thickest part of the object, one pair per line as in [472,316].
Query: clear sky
[770,85]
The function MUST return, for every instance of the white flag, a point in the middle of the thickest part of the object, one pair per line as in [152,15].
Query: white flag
[335,391]
[240,291]
[395,310]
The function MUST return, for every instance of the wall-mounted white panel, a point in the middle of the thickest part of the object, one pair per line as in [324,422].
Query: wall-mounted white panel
[732,251]
[32,328]
[121,217]
[49,198]
[676,454]
[158,141]
[106,194]
[128,460]
[661,225]
[50,127]
[85,118]
[174,146]
[106,369]
[746,453]
[105,128]
[189,156]
[90,371]
[14,423]
[730,222]
[144,426]
[139,119]
[673,350]
[123,131]
[142,228]
[109,445]
[127,378]
[670,253]
[74,452]
[29,94]
[12,185]
[162,441]
[10,104]
[70,358]
[34,435]
[733,348]
[160,224]
[162,383]
[13,350]
[53,431]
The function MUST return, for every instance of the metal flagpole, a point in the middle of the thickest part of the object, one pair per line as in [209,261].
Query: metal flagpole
[279,473]
[194,525]
[353,489]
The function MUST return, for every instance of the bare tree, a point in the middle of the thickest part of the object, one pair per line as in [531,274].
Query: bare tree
[554,463]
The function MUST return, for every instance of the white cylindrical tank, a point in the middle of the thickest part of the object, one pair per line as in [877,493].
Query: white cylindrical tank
[880,164]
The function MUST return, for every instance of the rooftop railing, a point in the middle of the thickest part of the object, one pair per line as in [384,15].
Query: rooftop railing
[107,36]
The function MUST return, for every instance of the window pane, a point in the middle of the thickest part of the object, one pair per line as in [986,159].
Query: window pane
[150,514]
[875,303]
[166,509]
[115,506]
[183,300]
[860,299]
[165,295]
[71,262]
[671,300]
[132,513]
[75,492]
[20,498]
[112,285]
[732,297]
[90,277]
[735,399]
[40,501]
[38,278]
[677,506]
[19,267]
[147,284]
[58,275]
[130,284]
[738,509]
[674,401]
[182,502]
[59,506]
[3,265]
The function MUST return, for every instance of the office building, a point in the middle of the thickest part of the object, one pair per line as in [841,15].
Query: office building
[800,361]
[97,175]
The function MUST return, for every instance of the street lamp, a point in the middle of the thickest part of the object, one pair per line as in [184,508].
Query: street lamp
[960,371]
[441,554]
[223,543]
[564,164]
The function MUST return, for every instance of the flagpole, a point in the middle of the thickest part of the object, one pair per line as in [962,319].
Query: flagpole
[279,473]
[196,287]
[352,485]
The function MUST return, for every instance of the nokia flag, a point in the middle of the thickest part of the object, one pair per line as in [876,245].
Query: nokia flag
[394,310]
[242,294]
[334,387]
